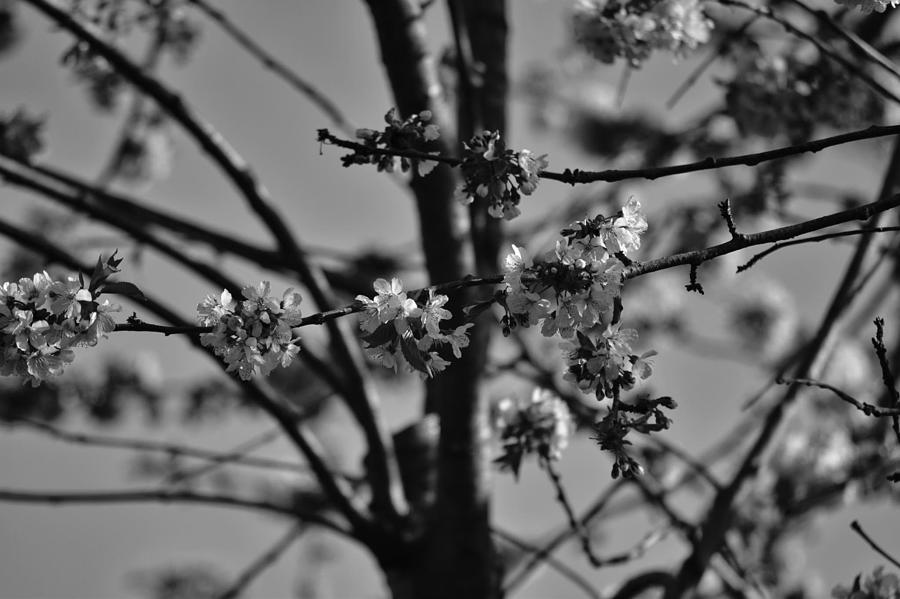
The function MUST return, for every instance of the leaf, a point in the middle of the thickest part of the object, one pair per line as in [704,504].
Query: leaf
[413,355]
[123,288]
[384,334]
[475,310]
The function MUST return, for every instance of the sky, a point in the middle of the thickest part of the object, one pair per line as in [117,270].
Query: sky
[86,552]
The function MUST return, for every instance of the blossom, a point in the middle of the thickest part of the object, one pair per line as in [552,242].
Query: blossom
[389,304]
[42,319]
[783,95]
[254,335]
[876,586]
[605,363]
[497,175]
[539,425]
[399,331]
[412,133]
[764,318]
[574,287]
[610,29]
[867,6]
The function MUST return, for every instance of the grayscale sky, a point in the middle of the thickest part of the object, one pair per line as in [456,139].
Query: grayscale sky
[86,552]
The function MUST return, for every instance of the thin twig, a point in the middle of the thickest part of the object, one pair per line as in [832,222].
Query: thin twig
[856,43]
[282,412]
[855,527]
[815,239]
[864,407]
[728,38]
[577,176]
[172,449]
[718,518]
[163,496]
[263,562]
[530,566]
[561,567]
[835,56]
[886,377]
[574,523]
[319,99]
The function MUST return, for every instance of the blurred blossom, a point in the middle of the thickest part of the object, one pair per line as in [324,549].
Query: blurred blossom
[877,585]
[852,367]
[539,425]
[778,95]
[764,318]
[21,135]
[867,6]
[610,29]
[814,451]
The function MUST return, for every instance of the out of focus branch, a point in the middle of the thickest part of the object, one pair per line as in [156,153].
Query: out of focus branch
[279,68]
[263,562]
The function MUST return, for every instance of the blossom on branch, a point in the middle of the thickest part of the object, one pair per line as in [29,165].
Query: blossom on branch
[398,330]
[409,134]
[42,320]
[253,335]
[539,425]
[575,292]
[497,175]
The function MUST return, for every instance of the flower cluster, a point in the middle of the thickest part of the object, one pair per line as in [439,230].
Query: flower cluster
[399,330]
[574,291]
[410,134]
[782,95]
[498,175]
[867,6]
[253,335]
[540,425]
[604,363]
[633,29]
[877,586]
[42,320]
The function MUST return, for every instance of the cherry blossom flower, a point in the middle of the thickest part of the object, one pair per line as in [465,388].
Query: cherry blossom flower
[497,175]
[42,319]
[398,331]
[254,335]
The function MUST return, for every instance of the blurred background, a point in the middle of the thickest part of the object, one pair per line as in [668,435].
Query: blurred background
[109,551]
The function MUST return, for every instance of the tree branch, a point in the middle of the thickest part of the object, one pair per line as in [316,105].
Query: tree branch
[564,570]
[163,496]
[578,176]
[284,72]
[172,449]
[261,393]
[264,561]
[719,515]
[387,490]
